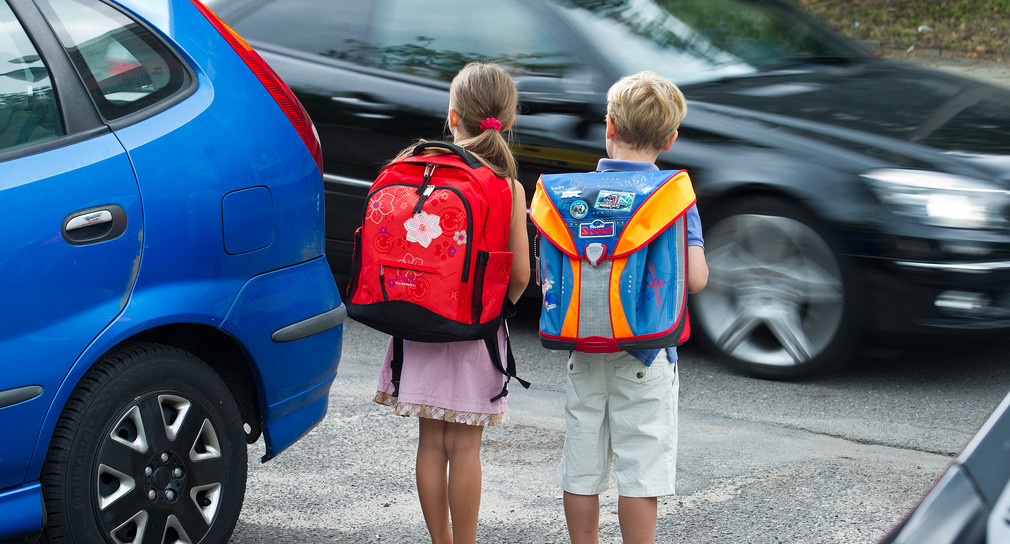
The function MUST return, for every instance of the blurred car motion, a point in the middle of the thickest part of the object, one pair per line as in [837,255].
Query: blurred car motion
[166,299]
[970,502]
[840,193]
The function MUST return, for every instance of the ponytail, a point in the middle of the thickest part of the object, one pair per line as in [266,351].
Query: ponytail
[486,100]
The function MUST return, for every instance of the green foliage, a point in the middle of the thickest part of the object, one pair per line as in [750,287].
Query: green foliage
[976,28]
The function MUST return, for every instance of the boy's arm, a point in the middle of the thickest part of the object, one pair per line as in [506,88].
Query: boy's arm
[697,266]
[697,269]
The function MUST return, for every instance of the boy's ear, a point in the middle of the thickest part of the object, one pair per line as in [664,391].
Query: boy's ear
[611,130]
[672,139]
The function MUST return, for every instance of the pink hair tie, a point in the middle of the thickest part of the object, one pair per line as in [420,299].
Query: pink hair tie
[490,122]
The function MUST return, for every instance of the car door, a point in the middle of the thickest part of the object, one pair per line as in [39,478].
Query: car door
[70,228]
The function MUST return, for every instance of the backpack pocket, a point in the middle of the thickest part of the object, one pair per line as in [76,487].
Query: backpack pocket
[403,281]
[491,283]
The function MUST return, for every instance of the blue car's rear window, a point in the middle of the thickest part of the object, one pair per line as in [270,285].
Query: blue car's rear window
[124,66]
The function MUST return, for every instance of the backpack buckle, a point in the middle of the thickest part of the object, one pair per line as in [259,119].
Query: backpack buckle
[595,253]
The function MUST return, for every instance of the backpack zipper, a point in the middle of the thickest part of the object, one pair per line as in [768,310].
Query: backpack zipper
[424,190]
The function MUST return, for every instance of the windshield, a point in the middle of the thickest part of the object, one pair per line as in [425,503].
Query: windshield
[691,41]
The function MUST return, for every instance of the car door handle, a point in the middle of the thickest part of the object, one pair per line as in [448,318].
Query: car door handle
[93,225]
[365,107]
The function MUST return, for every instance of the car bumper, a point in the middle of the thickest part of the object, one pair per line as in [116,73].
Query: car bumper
[906,295]
[295,355]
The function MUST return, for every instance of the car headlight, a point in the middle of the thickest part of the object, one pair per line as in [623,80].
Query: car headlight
[940,199]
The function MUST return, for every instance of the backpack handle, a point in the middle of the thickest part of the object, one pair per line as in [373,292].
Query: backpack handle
[466,156]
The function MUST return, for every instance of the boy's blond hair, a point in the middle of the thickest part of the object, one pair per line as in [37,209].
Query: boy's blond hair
[646,110]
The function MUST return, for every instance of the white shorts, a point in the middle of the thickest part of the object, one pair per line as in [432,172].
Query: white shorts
[619,410]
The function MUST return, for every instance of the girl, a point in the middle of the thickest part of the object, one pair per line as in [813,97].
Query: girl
[447,385]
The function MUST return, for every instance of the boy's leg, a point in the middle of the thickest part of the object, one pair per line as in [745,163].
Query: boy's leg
[582,514]
[432,489]
[637,516]
[643,404]
[585,461]
[462,446]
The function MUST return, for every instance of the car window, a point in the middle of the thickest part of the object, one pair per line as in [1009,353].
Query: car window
[28,108]
[692,41]
[124,66]
[322,27]
[428,38]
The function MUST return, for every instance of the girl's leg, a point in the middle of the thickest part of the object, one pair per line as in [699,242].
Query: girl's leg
[462,447]
[432,489]
[582,514]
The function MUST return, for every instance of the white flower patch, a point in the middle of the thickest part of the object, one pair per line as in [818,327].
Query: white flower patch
[423,228]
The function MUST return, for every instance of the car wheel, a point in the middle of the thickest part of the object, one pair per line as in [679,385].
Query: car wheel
[777,304]
[149,448]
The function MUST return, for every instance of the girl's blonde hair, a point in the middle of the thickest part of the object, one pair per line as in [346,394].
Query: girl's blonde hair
[646,110]
[483,91]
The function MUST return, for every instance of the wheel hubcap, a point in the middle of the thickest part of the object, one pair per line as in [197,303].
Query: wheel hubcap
[775,294]
[159,473]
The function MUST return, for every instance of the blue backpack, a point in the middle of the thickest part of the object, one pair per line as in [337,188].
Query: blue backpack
[611,251]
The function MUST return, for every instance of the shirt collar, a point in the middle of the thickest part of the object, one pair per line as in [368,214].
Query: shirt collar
[624,166]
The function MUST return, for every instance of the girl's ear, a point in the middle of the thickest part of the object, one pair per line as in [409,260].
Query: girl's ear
[453,118]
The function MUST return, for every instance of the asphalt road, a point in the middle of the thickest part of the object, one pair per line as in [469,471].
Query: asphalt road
[838,459]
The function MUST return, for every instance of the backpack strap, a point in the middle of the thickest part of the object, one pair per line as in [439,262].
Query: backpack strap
[509,369]
[396,365]
[468,158]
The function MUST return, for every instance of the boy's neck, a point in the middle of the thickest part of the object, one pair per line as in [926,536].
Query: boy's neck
[622,153]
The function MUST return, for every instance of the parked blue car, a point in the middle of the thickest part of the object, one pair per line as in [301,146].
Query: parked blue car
[164,294]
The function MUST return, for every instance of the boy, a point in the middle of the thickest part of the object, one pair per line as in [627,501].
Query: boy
[622,407]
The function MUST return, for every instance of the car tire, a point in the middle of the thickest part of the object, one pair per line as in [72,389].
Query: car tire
[149,448]
[779,302]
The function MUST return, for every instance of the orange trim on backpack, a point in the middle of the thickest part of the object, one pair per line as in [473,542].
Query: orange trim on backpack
[549,221]
[570,326]
[618,319]
[675,196]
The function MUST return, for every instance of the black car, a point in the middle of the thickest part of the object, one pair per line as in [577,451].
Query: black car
[840,193]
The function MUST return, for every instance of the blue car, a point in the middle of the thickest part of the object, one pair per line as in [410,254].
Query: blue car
[164,290]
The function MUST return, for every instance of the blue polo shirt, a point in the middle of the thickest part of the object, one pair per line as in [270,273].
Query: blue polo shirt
[694,238]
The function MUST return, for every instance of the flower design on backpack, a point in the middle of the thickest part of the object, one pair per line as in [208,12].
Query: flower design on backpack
[380,207]
[422,228]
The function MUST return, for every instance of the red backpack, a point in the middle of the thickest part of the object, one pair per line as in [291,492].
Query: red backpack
[431,260]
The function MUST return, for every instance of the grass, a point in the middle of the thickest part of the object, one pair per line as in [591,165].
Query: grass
[967,28]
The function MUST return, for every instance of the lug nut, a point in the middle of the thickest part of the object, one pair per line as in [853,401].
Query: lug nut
[177,472]
[148,471]
[169,494]
[152,495]
[164,457]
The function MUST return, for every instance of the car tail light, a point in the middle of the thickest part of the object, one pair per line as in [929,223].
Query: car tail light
[268,77]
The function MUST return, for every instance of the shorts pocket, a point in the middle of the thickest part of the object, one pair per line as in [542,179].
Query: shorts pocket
[641,373]
[577,365]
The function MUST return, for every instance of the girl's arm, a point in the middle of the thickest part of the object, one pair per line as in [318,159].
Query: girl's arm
[519,244]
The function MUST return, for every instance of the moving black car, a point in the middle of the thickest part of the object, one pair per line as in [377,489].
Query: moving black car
[840,193]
